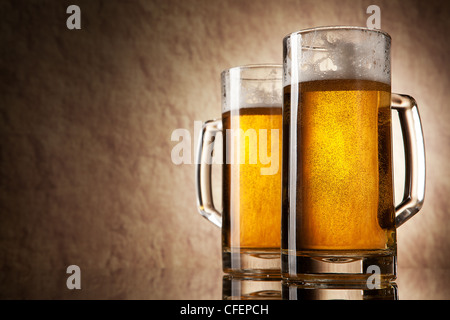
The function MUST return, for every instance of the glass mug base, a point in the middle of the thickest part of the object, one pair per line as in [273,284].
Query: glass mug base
[259,262]
[374,266]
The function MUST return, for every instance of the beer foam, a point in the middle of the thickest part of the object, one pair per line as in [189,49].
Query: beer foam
[342,53]
[252,87]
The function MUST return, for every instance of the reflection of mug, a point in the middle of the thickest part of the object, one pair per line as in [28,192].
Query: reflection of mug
[251,129]
[337,291]
[338,213]
[251,288]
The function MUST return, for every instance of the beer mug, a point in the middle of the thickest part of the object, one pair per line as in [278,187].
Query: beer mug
[251,181]
[338,215]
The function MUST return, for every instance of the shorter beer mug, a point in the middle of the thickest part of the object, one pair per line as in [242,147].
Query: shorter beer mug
[251,182]
[339,221]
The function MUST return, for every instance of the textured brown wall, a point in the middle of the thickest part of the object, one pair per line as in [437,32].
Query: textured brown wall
[86,118]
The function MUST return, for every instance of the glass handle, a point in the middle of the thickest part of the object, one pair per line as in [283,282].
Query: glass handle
[414,146]
[205,202]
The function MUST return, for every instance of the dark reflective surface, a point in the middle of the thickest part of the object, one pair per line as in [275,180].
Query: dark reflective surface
[411,284]
[246,288]
[341,291]
[211,284]
[275,288]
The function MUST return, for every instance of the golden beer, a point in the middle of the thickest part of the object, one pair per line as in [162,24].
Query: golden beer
[251,131]
[344,197]
[252,180]
[338,215]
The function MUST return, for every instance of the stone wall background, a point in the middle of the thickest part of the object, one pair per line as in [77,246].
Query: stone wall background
[86,118]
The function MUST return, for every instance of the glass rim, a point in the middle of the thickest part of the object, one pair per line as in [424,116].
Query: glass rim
[336,28]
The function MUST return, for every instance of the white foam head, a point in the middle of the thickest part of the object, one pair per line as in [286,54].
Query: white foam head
[337,53]
[252,86]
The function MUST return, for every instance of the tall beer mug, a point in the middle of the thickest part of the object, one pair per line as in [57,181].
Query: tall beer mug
[338,216]
[251,182]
